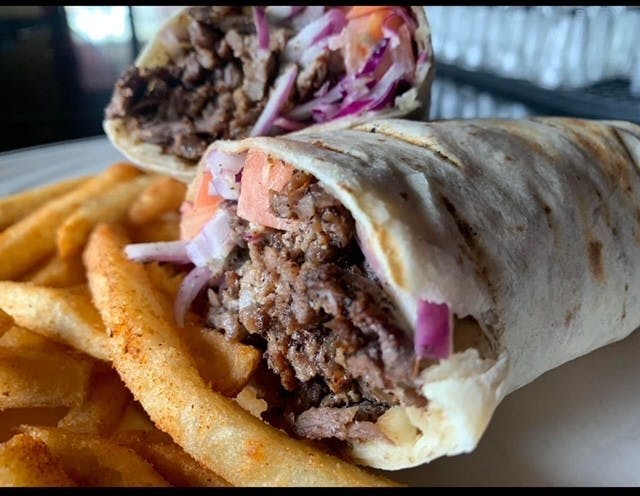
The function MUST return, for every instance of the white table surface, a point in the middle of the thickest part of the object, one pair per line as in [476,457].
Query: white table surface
[576,425]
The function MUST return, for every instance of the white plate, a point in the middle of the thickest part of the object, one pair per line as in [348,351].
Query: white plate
[576,425]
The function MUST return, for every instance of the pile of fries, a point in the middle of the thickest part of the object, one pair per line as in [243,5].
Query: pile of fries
[98,385]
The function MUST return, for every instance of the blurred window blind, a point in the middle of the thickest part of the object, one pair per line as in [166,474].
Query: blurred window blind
[519,60]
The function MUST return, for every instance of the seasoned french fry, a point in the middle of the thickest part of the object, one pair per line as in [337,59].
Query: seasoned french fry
[27,462]
[13,418]
[225,364]
[19,337]
[109,206]
[156,366]
[63,314]
[95,461]
[25,243]
[164,228]
[165,277]
[163,195]
[6,322]
[59,272]
[103,407]
[169,459]
[134,418]
[15,207]
[42,378]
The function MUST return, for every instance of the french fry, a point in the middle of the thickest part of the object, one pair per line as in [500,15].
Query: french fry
[13,418]
[25,243]
[164,228]
[165,277]
[6,322]
[134,418]
[27,462]
[225,364]
[163,195]
[103,407]
[63,314]
[156,366]
[109,206]
[42,378]
[169,459]
[95,461]
[19,337]
[15,207]
[59,272]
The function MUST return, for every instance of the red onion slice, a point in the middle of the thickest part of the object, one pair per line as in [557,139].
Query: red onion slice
[304,111]
[190,288]
[309,14]
[313,52]
[213,242]
[434,330]
[262,27]
[288,124]
[168,251]
[353,108]
[323,90]
[333,21]
[387,96]
[277,98]
[375,59]
[282,12]
[383,93]
[226,186]
[218,161]
[403,55]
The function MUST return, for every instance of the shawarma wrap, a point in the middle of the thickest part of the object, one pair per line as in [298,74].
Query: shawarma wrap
[231,72]
[403,277]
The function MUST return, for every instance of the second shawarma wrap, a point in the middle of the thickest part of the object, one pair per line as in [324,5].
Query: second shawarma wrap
[403,277]
[230,72]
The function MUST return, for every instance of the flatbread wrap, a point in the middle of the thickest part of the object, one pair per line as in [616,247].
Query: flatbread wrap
[403,277]
[230,72]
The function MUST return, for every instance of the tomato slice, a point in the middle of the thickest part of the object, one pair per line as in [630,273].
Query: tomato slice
[260,176]
[195,215]
[203,198]
[364,10]
[369,20]
[364,31]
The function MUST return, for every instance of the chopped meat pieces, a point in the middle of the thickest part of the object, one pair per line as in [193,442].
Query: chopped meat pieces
[328,331]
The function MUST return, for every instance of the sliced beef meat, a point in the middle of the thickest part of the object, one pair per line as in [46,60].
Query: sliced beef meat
[328,330]
[312,77]
[257,64]
[339,423]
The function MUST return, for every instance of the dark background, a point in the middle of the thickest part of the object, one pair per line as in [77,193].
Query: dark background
[58,65]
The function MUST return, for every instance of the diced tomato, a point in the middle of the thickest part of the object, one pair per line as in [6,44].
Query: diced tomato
[260,176]
[194,219]
[364,31]
[195,215]
[203,198]
[364,10]
[370,19]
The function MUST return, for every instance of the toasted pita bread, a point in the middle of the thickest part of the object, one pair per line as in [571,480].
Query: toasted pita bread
[531,228]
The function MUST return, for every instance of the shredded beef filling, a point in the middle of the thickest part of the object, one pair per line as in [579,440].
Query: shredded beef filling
[216,89]
[334,350]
